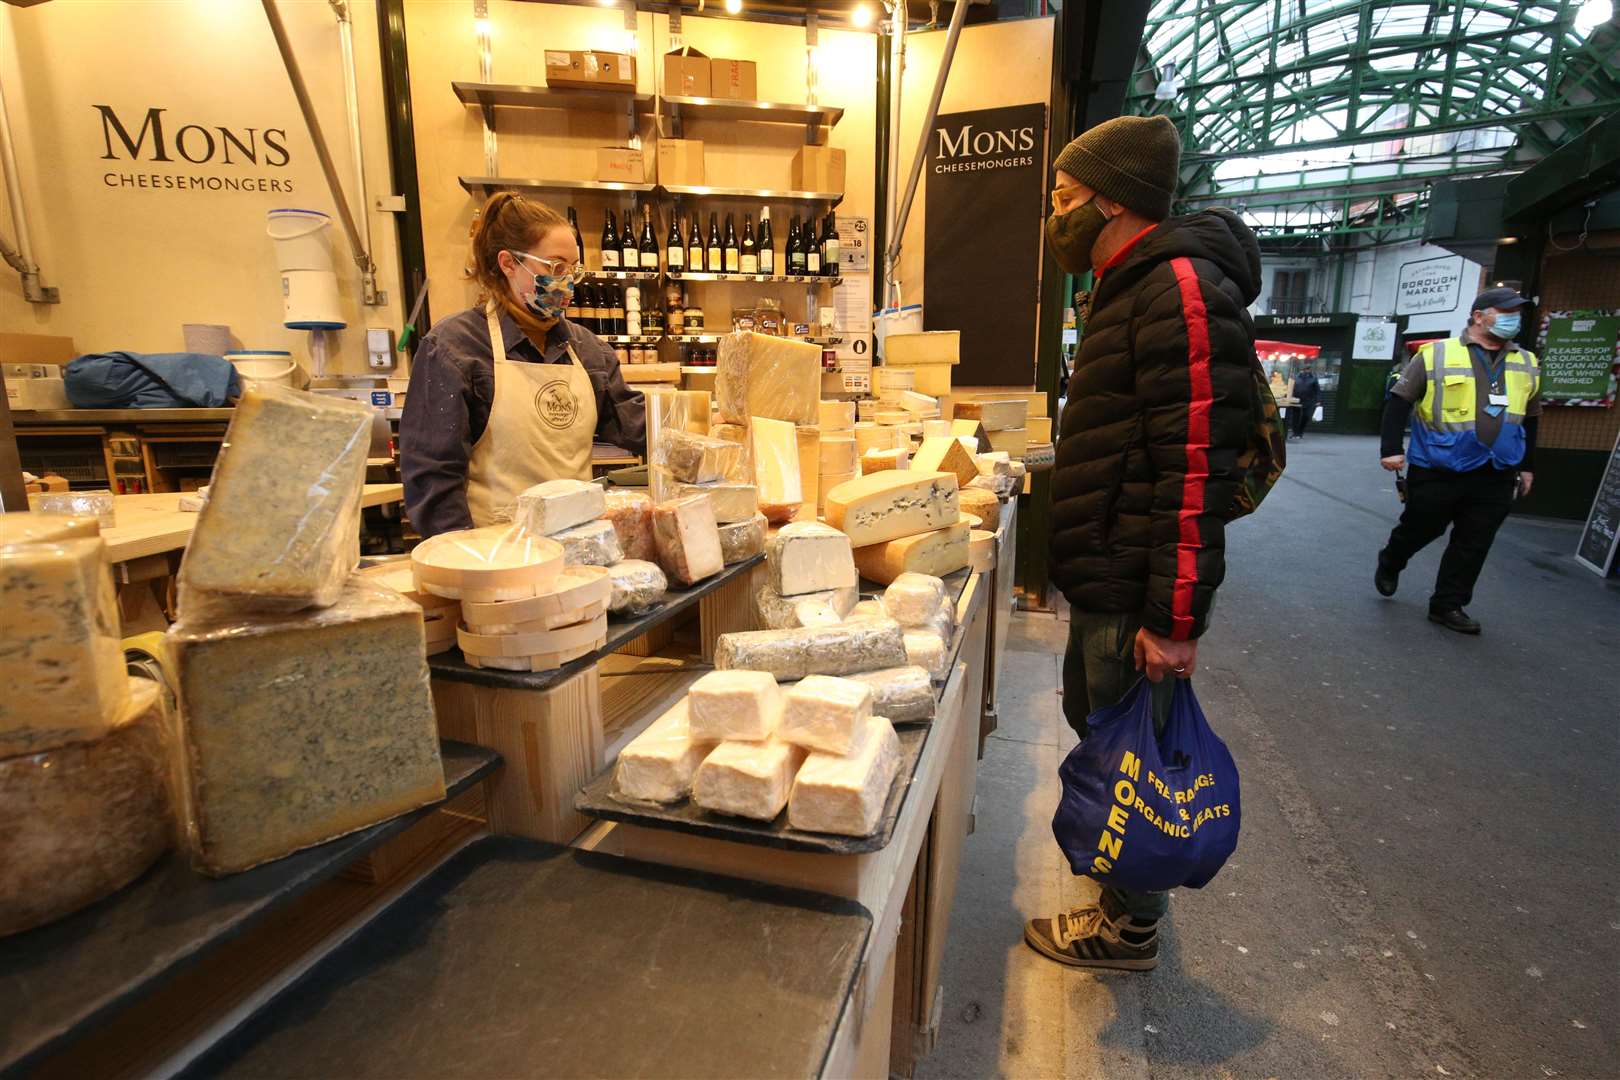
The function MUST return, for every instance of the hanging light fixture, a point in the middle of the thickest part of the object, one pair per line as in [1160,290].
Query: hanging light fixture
[1169,86]
[861,17]
[733,7]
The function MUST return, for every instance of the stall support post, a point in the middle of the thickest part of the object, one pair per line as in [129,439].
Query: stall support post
[402,159]
[952,35]
[22,259]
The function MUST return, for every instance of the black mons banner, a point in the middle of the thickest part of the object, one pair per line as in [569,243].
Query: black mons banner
[982,236]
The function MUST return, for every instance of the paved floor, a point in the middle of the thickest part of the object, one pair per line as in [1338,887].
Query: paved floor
[1428,882]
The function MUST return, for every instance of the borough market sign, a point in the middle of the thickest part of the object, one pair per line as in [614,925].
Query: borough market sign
[1429,285]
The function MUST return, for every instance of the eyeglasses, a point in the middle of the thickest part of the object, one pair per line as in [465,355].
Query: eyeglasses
[1065,198]
[557,268]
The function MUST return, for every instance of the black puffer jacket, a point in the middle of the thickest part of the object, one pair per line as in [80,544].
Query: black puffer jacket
[1160,406]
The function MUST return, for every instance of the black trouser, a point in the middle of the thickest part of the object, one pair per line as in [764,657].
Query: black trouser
[1302,416]
[1474,504]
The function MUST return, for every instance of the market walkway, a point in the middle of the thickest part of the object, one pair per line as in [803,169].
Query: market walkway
[1428,879]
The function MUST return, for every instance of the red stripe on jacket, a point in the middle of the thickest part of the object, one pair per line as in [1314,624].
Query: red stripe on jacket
[1198,409]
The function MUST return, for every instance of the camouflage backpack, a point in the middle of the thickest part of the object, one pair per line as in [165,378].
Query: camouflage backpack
[1266,455]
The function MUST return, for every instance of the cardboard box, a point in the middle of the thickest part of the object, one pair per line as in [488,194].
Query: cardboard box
[591,70]
[36,349]
[818,168]
[680,161]
[687,74]
[621,164]
[37,394]
[734,80]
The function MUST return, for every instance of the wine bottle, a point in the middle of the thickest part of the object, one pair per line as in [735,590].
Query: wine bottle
[694,246]
[829,248]
[616,310]
[716,260]
[795,248]
[610,244]
[630,254]
[674,247]
[579,243]
[810,243]
[767,254]
[733,251]
[649,242]
[587,307]
[750,248]
[572,314]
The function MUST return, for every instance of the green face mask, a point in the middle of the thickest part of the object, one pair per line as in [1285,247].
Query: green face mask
[1074,234]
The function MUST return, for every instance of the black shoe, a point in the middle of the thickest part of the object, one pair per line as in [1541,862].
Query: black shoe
[1386,581]
[1086,938]
[1455,619]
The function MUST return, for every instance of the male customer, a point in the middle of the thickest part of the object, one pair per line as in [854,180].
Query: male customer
[1160,406]
[1478,403]
[1308,394]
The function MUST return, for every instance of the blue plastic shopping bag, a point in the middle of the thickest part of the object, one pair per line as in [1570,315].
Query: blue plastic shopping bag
[1148,814]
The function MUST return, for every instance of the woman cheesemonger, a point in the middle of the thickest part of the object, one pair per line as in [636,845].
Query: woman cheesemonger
[508,393]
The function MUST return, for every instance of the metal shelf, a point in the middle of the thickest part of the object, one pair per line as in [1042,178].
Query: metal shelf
[625,275]
[832,198]
[517,96]
[782,279]
[693,339]
[482,185]
[627,339]
[814,117]
[697,369]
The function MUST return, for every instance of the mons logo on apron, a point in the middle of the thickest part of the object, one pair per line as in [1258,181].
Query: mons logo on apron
[556,405]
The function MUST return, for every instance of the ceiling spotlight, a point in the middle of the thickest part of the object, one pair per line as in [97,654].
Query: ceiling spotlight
[1593,14]
[861,16]
[733,7]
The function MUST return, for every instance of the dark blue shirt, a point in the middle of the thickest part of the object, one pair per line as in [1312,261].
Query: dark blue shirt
[452,387]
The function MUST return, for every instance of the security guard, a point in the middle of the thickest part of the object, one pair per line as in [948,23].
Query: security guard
[1478,403]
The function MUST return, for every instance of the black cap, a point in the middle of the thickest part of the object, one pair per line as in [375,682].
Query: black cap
[1502,299]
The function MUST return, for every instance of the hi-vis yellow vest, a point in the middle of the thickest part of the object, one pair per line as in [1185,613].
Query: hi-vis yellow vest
[1444,424]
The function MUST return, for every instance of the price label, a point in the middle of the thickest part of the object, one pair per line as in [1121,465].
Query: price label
[854,244]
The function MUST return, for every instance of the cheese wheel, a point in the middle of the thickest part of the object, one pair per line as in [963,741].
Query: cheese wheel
[981,551]
[585,635]
[577,588]
[497,562]
[981,504]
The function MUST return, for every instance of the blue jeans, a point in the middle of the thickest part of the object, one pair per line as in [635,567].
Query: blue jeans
[1099,667]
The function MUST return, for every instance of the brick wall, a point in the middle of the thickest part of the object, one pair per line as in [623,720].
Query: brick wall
[1580,280]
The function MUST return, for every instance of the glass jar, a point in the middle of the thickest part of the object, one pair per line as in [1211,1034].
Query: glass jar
[623,353]
[768,318]
[675,320]
[694,320]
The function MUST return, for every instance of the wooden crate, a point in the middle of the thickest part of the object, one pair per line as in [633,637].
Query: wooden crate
[461,818]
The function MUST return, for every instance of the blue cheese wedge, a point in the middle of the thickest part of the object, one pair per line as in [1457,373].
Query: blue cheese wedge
[302,728]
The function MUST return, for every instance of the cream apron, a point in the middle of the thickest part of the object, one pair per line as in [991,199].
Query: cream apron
[542,422]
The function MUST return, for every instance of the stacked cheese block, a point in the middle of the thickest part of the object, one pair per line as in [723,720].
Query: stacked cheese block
[810,578]
[303,686]
[900,520]
[84,748]
[1004,421]
[768,396]
[741,746]
[718,470]
[918,602]
[929,356]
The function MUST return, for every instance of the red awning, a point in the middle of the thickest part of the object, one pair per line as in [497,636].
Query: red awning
[1285,350]
[1413,346]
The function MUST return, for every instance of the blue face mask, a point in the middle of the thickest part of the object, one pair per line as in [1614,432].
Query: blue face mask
[551,295]
[1506,326]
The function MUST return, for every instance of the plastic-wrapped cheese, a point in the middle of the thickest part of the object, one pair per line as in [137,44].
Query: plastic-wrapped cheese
[192,502]
[630,512]
[556,505]
[911,599]
[926,649]
[761,375]
[863,645]
[301,728]
[868,609]
[747,779]
[807,556]
[638,587]
[730,501]
[820,712]
[688,539]
[845,795]
[699,459]
[28,527]
[95,505]
[741,540]
[778,612]
[743,705]
[281,528]
[659,764]
[61,656]
[86,819]
[902,693]
[595,543]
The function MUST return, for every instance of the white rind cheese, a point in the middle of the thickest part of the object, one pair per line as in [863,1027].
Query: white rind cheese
[778,612]
[928,650]
[760,375]
[747,779]
[61,656]
[887,505]
[741,540]
[301,728]
[659,764]
[688,539]
[638,587]
[806,557]
[868,609]
[595,543]
[912,598]
[863,645]
[281,528]
[820,712]
[743,705]
[903,694]
[846,795]
[556,505]
[699,459]
[86,819]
